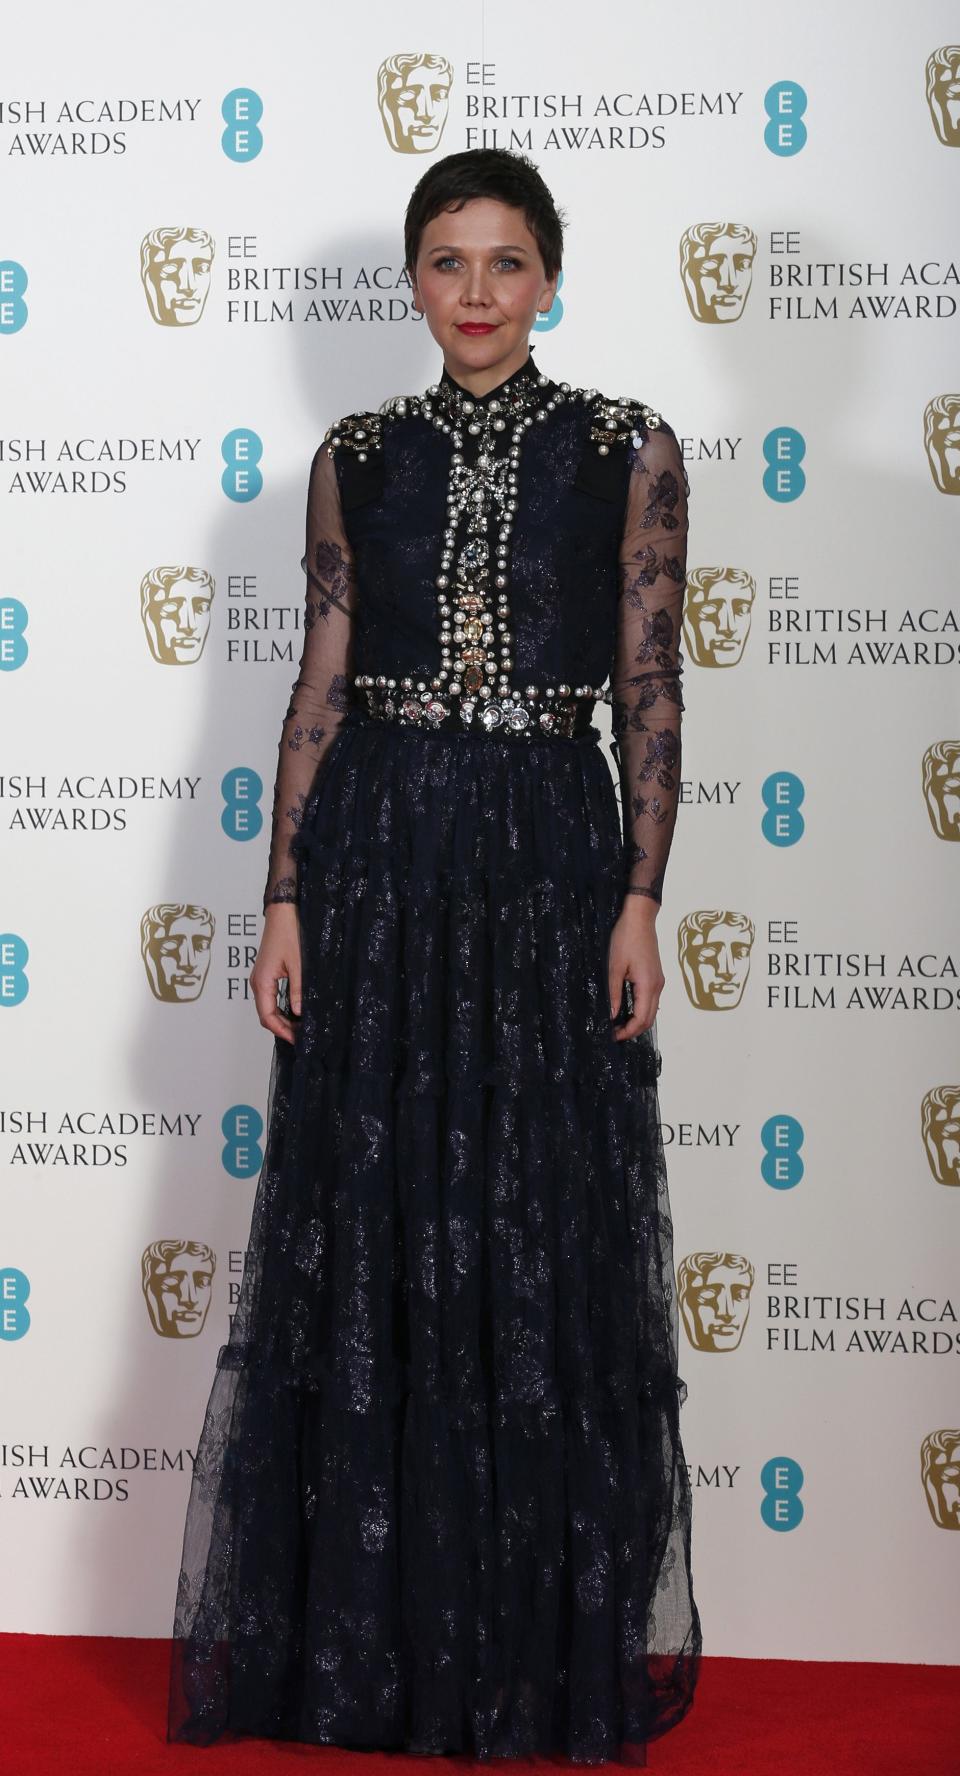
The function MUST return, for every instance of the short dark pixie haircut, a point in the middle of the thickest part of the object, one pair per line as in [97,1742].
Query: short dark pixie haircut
[486,172]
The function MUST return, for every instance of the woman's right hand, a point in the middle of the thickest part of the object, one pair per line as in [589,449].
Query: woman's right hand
[278,958]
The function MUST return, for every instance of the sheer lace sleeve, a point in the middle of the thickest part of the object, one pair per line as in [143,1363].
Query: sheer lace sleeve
[646,680]
[320,691]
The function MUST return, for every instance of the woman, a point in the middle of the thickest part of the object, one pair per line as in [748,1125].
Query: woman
[440,1501]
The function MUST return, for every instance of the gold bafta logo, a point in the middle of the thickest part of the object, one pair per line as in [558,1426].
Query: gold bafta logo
[714,949]
[941,441]
[413,93]
[940,1127]
[716,268]
[943,93]
[941,787]
[940,1473]
[175,612]
[177,1277]
[175,943]
[713,1293]
[717,614]
[175,271]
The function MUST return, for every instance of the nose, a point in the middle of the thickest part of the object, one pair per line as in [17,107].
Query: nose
[476,292]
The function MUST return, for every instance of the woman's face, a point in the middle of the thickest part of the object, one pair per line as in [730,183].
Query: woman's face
[480,282]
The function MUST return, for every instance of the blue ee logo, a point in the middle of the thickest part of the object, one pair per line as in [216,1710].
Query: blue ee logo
[781,1138]
[13,309]
[242,790]
[785,103]
[782,794]
[784,450]
[781,1478]
[14,985]
[242,1154]
[241,451]
[241,111]
[13,642]
[14,1313]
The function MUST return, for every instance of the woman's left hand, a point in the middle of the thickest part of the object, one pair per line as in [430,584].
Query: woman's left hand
[634,955]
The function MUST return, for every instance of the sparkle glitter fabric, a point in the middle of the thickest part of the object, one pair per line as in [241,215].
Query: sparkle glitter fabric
[440,1501]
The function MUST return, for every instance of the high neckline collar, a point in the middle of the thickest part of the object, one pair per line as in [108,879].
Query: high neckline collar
[527,373]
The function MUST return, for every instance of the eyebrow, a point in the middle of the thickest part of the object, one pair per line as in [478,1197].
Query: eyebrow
[506,249]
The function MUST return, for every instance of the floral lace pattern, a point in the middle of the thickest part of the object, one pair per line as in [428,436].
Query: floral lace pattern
[321,691]
[441,1503]
[647,676]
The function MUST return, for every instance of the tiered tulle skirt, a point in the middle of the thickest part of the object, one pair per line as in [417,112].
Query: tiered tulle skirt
[440,1501]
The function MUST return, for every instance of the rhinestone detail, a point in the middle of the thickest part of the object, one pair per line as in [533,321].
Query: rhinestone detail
[474,683]
[531,713]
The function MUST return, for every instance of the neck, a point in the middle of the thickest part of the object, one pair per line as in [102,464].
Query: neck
[480,382]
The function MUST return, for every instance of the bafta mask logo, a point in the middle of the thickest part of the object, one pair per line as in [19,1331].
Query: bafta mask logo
[714,949]
[943,93]
[940,1127]
[175,943]
[713,1293]
[177,1278]
[941,441]
[175,612]
[175,270]
[941,787]
[413,93]
[716,267]
[940,1473]
[716,615]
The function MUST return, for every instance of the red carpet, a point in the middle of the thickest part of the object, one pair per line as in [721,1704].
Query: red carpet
[95,1707]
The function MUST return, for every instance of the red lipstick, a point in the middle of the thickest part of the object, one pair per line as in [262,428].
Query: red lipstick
[478,327]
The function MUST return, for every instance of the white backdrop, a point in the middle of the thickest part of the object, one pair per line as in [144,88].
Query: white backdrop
[817,316]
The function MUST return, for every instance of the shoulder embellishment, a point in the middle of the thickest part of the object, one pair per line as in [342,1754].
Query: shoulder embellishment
[611,421]
[357,432]
[619,421]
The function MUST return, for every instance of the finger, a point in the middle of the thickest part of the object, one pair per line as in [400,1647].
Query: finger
[640,1019]
[270,1015]
[615,982]
[293,977]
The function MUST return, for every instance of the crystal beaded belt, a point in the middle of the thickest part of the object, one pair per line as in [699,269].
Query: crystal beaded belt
[532,713]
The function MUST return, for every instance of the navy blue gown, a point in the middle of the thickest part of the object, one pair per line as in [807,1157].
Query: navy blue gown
[440,1502]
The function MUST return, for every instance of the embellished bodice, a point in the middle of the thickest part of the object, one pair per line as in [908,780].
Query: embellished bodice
[497,562]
